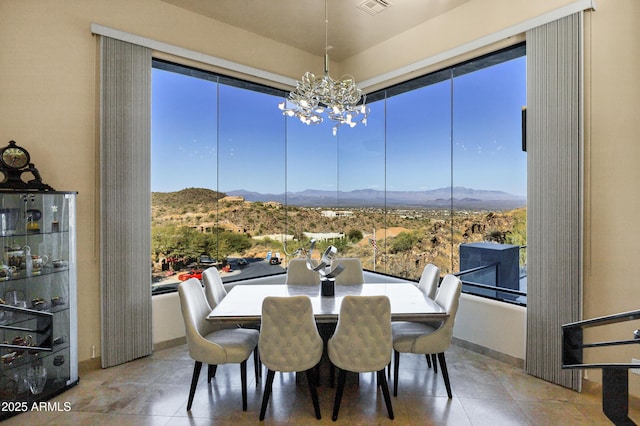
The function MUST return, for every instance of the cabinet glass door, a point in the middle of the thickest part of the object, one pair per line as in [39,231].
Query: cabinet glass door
[38,323]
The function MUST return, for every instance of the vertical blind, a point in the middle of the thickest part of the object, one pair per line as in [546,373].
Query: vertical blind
[125,201]
[554,222]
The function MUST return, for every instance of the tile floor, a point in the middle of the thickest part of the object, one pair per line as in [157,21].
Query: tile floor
[154,391]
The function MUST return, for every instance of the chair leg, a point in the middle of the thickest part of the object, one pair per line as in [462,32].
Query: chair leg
[194,382]
[445,374]
[396,366]
[211,372]
[314,392]
[267,392]
[382,380]
[342,375]
[332,374]
[428,357]
[434,362]
[243,379]
[317,373]
[256,365]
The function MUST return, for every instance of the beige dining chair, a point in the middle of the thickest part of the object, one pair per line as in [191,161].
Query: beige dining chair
[362,342]
[429,280]
[352,273]
[214,291]
[211,344]
[289,342]
[213,286]
[419,338]
[428,285]
[298,273]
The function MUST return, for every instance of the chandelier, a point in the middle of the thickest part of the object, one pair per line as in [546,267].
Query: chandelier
[314,96]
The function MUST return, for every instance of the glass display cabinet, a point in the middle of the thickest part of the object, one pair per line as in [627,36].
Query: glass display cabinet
[38,316]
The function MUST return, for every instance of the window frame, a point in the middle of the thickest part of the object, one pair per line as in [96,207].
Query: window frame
[384,94]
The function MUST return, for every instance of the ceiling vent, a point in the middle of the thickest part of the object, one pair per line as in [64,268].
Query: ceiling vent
[373,7]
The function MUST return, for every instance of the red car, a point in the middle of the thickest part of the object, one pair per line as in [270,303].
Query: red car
[195,273]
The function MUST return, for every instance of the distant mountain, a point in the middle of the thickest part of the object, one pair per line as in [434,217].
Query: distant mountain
[463,198]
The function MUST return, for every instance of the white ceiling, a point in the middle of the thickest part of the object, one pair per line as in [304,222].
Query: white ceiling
[301,23]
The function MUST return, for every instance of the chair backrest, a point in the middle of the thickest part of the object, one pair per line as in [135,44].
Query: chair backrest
[448,297]
[289,339]
[213,286]
[195,309]
[352,273]
[429,280]
[362,340]
[298,273]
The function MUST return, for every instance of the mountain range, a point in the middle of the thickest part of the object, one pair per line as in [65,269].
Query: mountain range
[463,198]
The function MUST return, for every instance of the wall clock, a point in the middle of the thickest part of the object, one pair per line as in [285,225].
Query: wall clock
[14,161]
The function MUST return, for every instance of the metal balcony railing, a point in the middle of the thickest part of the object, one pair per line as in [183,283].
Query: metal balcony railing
[615,376]
[491,287]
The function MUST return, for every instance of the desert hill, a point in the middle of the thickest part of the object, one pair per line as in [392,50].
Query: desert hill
[406,238]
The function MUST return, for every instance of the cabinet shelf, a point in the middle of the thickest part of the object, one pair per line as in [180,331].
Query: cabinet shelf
[42,325]
[24,234]
[22,273]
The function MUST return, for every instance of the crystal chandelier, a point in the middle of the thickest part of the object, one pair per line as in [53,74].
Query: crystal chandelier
[313,96]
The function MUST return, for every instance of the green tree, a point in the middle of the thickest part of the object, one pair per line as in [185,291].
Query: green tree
[176,241]
[231,242]
[354,235]
[404,241]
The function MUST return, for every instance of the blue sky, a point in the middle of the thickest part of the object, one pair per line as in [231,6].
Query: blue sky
[225,138]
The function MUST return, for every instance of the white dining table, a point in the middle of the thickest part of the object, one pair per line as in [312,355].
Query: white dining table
[243,304]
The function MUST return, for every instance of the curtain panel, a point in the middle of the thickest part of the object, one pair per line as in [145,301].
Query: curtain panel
[125,201]
[554,194]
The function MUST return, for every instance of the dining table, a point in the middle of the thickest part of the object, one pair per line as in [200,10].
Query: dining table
[243,304]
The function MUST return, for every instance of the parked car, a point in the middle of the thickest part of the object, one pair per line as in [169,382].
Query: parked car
[206,260]
[242,261]
[195,273]
[274,261]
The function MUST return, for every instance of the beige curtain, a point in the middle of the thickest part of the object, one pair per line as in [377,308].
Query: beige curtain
[554,194]
[125,201]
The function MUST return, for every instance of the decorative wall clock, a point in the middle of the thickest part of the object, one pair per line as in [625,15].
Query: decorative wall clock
[14,161]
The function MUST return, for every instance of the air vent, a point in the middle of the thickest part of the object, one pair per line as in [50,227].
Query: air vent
[373,7]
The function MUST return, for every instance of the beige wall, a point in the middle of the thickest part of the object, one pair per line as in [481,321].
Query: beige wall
[612,229]
[48,98]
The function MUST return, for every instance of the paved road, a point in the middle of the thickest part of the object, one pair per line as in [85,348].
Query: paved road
[255,268]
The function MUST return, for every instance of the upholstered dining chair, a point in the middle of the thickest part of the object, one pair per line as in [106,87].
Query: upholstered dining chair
[298,273]
[214,291]
[213,286]
[289,342]
[428,285]
[429,280]
[418,338]
[362,342]
[352,273]
[209,343]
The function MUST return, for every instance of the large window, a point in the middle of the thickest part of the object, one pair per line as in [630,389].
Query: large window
[237,185]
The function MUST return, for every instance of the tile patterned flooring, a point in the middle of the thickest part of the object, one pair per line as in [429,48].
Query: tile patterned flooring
[154,390]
